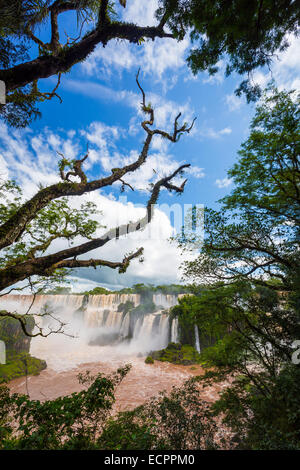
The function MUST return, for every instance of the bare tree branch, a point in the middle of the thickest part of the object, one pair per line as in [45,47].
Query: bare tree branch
[45,265]
[123,265]
[29,264]
[14,227]
[22,320]
[177,132]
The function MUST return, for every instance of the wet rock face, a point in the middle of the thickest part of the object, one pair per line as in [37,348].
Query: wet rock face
[15,340]
[18,360]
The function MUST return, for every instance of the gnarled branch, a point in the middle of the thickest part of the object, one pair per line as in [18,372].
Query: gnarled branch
[64,57]
[46,265]
[13,228]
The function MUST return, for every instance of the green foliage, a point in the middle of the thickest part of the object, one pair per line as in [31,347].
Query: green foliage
[18,360]
[192,310]
[178,420]
[149,360]
[10,199]
[245,35]
[264,418]
[252,247]
[17,14]
[58,290]
[5,421]
[20,365]
[126,432]
[83,420]
[172,289]
[11,333]
[19,19]
[148,306]
[145,290]
[55,221]
[21,107]
[126,306]
[255,235]
[98,291]
[70,422]
[177,353]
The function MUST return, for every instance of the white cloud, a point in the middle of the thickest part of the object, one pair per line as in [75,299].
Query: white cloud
[285,69]
[102,143]
[29,159]
[165,110]
[141,13]
[209,133]
[223,183]
[101,92]
[158,164]
[19,150]
[196,171]
[233,102]
[155,58]
[161,259]
[225,131]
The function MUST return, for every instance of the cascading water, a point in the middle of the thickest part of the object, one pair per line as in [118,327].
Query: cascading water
[96,319]
[197,340]
[165,300]
[174,331]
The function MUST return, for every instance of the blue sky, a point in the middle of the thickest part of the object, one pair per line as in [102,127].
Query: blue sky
[101,108]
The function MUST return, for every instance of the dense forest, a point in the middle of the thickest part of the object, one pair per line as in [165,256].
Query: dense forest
[237,306]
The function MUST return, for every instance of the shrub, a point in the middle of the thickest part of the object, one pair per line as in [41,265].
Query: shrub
[149,360]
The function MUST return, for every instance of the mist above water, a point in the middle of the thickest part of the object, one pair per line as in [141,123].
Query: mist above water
[96,330]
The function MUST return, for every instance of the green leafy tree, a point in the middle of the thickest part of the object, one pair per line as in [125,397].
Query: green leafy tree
[98,291]
[70,422]
[178,420]
[58,290]
[255,234]
[84,420]
[251,304]
[243,34]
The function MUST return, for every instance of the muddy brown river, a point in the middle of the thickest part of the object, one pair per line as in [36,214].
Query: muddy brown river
[67,357]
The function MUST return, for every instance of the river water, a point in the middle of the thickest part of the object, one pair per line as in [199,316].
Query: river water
[67,356]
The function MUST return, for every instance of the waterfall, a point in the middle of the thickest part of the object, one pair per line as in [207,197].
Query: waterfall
[21,303]
[174,331]
[197,341]
[97,318]
[98,306]
[165,300]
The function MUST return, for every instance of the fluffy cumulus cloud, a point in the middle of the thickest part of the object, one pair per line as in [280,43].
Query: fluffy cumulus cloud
[223,183]
[103,151]
[165,109]
[156,58]
[29,158]
[102,139]
[233,102]
[162,259]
